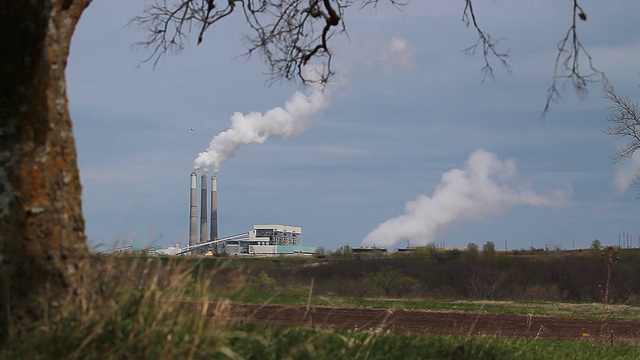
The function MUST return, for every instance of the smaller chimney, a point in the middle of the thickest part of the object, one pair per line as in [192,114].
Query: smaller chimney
[204,237]
[214,208]
[193,214]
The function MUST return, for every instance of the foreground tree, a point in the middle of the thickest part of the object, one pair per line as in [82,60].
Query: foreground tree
[42,241]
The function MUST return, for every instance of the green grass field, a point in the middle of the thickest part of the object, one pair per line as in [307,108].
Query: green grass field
[140,313]
[143,332]
[566,310]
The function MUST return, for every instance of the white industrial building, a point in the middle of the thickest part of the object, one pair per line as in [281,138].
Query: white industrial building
[265,239]
[262,240]
[276,234]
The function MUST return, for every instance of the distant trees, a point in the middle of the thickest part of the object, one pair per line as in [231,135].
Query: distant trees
[473,249]
[489,248]
[484,282]
[596,244]
[344,250]
[545,277]
[261,283]
[321,251]
[558,276]
[392,282]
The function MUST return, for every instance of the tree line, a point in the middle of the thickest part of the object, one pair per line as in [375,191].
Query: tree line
[608,275]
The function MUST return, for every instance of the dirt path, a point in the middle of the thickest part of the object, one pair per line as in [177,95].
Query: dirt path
[431,322]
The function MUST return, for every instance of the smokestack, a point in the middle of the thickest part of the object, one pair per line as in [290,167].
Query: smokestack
[193,215]
[214,208]
[204,237]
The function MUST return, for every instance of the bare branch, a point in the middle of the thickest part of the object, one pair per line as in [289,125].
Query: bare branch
[486,42]
[624,121]
[289,34]
[374,3]
[567,64]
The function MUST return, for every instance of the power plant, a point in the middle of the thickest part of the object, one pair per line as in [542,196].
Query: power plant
[262,240]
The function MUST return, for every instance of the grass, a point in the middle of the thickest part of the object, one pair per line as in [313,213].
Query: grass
[134,336]
[136,309]
[564,310]
[300,343]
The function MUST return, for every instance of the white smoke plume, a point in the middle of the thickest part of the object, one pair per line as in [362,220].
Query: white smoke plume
[254,127]
[476,192]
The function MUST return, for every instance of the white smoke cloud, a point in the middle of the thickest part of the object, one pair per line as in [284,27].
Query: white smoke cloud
[474,193]
[254,127]
[626,173]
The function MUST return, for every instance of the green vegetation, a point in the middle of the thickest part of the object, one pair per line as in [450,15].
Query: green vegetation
[141,331]
[133,328]
[489,248]
[299,343]
[596,244]
[606,276]
[156,308]
[540,284]
[563,310]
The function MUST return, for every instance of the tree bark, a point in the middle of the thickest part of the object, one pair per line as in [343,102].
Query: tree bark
[42,241]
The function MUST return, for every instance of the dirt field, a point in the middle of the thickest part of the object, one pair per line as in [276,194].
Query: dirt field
[427,322]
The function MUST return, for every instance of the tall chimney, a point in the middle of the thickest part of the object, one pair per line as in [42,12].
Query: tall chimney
[214,208]
[204,237]
[193,215]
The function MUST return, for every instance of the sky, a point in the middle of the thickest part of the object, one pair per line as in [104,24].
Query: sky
[409,146]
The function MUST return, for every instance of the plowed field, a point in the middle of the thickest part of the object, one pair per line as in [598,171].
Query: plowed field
[428,322]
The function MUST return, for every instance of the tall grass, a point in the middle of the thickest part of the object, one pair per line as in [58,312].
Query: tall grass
[136,308]
[150,308]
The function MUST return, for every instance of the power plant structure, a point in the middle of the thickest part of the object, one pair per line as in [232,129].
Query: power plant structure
[204,237]
[262,240]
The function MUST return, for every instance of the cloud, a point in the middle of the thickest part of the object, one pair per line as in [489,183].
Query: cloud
[397,55]
[626,173]
[475,192]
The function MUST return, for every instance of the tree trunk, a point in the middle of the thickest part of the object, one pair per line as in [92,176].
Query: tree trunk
[42,241]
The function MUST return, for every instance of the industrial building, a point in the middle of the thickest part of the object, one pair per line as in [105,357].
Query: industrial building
[265,239]
[262,240]
[276,234]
